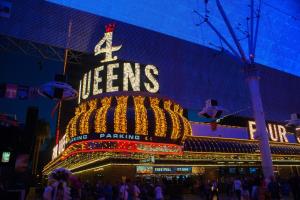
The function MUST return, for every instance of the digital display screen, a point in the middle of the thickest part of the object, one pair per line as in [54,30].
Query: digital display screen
[144,169]
[5,157]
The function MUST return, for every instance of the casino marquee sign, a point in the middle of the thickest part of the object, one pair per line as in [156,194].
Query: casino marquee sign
[119,109]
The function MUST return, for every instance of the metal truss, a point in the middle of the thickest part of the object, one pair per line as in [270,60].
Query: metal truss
[30,48]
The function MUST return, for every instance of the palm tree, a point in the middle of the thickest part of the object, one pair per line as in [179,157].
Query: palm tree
[42,131]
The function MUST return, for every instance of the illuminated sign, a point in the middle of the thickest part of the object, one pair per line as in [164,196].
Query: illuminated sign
[54,152]
[298,134]
[198,170]
[62,144]
[111,76]
[121,146]
[175,170]
[277,133]
[116,77]
[150,159]
[59,148]
[5,157]
[144,169]
[105,136]
[107,40]
[163,170]
[183,169]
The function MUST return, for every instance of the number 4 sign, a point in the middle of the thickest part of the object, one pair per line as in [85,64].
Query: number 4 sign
[107,41]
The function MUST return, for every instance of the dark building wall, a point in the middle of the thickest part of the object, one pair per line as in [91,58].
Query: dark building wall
[189,73]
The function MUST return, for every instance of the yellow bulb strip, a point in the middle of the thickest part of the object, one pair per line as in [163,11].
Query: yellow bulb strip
[187,129]
[175,120]
[120,119]
[84,122]
[73,123]
[101,115]
[160,119]
[141,121]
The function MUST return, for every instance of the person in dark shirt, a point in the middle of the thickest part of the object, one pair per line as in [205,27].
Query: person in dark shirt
[274,188]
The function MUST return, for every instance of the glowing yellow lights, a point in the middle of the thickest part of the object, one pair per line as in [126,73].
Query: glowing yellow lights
[175,120]
[86,85]
[178,109]
[100,118]
[111,77]
[155,85]
[141,121]
[134,78]
[108,49]
[95,116]
[187,129]
[97,80]
[71,130]
[160,119]
[120,119]
[84,122]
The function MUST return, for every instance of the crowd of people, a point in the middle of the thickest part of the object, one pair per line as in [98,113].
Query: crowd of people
[250,188]
[62,185]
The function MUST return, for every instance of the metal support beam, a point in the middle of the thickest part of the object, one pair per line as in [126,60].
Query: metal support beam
[231,31]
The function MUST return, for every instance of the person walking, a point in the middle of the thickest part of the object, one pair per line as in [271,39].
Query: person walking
[158,192]
[100,194]
[214,190]
[294,182]
[136,192]
[262,190]
[75,186]
[124,190]
[108,191]
[255,189]
[237,186]
[58,188]
[274,188]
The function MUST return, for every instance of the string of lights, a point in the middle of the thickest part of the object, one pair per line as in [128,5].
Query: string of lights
[141,121]
[175,121]
[84,122]
[120,120]
[100,118]
[160,119]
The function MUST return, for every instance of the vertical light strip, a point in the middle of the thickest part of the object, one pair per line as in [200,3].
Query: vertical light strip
[84,121]
[73,122]
[175,121]
[160,119]
[68,136]
[120,120]
[187,129]
[101,114]
[141,121]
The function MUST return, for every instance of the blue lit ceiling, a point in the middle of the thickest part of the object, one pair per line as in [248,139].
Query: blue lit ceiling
[278,44]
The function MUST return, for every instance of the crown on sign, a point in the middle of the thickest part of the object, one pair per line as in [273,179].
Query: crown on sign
[110,27]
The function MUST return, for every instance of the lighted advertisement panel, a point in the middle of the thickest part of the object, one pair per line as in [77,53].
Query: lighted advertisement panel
[118,107]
